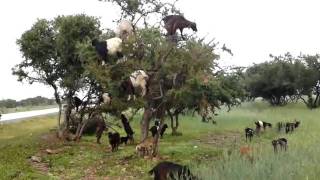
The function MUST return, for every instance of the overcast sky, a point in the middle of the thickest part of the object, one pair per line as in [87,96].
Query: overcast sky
[252,29]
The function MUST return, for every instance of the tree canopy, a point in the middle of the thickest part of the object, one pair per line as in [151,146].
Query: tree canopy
[285,78]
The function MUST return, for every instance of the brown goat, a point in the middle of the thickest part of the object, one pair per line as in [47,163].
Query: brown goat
[145,148]
[174,22]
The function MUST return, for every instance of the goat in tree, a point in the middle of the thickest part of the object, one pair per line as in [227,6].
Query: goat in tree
[174,22]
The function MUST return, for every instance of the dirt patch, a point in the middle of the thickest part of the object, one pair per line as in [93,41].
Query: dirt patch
[221,140]
[50,138]
[37,163]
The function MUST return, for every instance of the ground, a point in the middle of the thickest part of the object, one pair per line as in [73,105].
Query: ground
[211,151]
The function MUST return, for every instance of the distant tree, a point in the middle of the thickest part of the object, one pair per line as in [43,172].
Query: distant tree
[309,80]
[8,103]
[285,78]
[36,101]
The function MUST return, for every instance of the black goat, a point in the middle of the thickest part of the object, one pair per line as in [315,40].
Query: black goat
[127,127]
[157,123]
[168,170]
[249,133]
[76,102]
[163,129]
[153,130]
[174,22]
[290,126]
[282,142]
[124,140]
[101,48]
[126,88]
[114,140]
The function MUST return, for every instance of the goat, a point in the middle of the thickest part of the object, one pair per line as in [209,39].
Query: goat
[282,142]
[290,126]
[76,102]
[174,22]
[262,124]
[168,170]
[127,88]
[153,130]
[157,123]
[163,129]
[249,133]
[105,98]
[124,29]
[124,140]
[138,80]
[127,127]
[114,140]
[112,46]
[145,148]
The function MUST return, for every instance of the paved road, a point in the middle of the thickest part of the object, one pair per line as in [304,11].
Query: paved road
[13,117]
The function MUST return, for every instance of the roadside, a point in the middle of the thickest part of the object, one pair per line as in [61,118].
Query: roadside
[18,116]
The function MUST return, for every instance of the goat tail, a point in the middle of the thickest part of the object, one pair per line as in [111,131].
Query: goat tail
[151,171]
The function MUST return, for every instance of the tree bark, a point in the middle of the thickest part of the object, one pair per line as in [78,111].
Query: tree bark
[173,127]
[177,124]
[58,101]
[144,123]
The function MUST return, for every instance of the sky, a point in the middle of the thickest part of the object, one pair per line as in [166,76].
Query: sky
[252,29]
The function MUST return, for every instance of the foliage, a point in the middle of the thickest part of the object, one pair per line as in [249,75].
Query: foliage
[280,80]
[51,57]
[35,101]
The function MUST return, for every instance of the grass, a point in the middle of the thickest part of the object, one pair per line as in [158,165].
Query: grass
[211,150]
[17,143]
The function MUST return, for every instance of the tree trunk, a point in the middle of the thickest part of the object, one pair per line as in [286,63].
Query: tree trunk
[315,104]
[80,131]
[58,101]
[177,125]
[144,124]
[173,128]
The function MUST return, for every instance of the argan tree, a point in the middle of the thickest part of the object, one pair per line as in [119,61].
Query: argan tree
[283,79]
[180,73]
[51,57]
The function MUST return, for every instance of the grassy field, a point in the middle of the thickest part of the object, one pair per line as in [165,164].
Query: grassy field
[212,151]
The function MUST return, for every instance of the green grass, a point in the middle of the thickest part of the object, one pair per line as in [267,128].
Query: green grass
[299,162]
[17,143]
[211,150]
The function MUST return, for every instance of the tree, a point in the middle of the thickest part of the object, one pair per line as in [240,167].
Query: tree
[194,59]
[308,80]
[51,57]
[278,81]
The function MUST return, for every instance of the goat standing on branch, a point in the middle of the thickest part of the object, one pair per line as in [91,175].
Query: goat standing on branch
[174,22]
